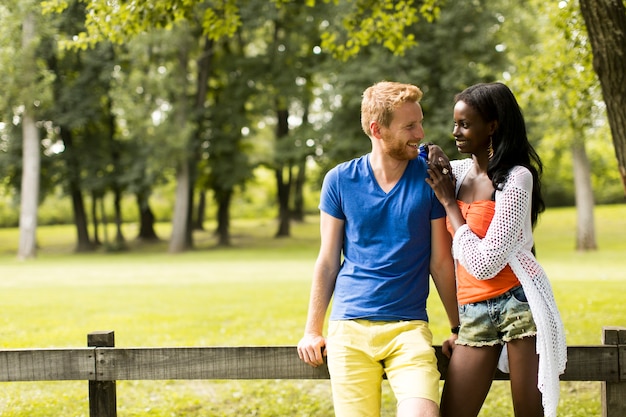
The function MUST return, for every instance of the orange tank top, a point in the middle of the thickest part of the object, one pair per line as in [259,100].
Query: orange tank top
[478,217]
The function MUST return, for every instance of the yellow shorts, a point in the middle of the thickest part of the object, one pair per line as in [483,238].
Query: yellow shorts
[360,352]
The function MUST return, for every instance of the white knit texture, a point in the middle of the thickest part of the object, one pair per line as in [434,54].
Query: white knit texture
[509,240]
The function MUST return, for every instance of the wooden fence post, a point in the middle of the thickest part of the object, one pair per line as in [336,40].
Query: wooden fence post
[102,394]
[614,393]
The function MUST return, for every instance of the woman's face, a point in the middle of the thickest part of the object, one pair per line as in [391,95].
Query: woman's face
[471,132]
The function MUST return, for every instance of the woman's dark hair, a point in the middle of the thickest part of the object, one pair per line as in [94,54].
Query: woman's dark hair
[495,101]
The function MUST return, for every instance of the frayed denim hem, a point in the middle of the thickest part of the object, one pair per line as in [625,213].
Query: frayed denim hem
[532,333]
[479,344]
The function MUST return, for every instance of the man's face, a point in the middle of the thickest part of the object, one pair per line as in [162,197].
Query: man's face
[401,139]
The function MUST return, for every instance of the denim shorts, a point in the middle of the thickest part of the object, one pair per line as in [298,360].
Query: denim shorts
[497,320]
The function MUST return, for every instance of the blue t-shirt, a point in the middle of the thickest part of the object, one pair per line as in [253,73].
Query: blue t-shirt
[384,275]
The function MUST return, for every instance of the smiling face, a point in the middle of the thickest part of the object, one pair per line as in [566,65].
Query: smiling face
[401,138]
[471,132]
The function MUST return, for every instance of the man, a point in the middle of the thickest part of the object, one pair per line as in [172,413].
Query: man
[380,215]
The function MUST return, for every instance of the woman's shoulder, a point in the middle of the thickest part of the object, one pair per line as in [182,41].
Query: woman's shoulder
[520,177]
[461,166]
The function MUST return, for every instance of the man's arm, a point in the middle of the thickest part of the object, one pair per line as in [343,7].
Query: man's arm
[442,271]
[311,346]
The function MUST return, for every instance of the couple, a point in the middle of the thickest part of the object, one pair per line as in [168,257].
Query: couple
[389,220]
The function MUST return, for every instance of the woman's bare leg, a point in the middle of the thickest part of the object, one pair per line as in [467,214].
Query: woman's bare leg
[524,368]
[469,378]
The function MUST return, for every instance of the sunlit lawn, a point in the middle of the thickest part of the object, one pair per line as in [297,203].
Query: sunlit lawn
[254,293]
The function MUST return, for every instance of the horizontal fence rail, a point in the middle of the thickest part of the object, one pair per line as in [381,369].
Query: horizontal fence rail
[584,363]
[102,364]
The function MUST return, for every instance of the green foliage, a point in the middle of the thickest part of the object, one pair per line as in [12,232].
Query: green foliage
[256,200]
[119,22]
[221,21]
[374,22]
[473,58]
[9,210]
[558,181]
[365,21]
[562,101]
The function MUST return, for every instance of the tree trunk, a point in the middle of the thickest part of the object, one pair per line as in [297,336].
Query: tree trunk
[223,216]
[181,221]
[298,192]
[283,185]
[31,159]
[198,222]
[30,188]
[204,66]
[284,214]
[105,221]
[146,219]
[178,240]
[80,220]
[298,198]
[73,181]
[120,242]
[95,219]
[72,166]
[606,26]
[191,166]
[585,224]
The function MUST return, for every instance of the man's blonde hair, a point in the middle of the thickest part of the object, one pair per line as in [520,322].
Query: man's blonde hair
[381,99]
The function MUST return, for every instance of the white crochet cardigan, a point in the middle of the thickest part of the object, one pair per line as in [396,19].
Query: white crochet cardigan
[509,240]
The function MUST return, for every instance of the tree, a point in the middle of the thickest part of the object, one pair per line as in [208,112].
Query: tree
[289,66]
[31,149]
[141,95]
[182,106]
[580,99]
[289,82]
[20,102]
[564,101]
[120,22]
[356,23]
[84,122]
[474,58]
[224,162]
[606,24]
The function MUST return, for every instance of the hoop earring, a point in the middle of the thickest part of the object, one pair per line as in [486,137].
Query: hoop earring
[490,148]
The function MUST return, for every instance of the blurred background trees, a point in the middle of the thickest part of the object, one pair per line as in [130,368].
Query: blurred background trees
[190,111]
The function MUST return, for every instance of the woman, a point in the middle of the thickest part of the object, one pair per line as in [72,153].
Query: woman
[505,299]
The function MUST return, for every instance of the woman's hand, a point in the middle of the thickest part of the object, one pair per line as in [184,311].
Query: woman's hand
[437,158]
[443,183]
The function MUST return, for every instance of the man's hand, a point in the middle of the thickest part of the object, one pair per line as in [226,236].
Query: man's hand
[312,349]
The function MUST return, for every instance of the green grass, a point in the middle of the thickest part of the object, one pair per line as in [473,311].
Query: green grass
[254,293]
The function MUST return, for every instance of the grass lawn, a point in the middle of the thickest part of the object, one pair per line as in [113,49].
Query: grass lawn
[254,293]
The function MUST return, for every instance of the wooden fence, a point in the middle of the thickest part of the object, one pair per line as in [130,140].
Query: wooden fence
[101,363]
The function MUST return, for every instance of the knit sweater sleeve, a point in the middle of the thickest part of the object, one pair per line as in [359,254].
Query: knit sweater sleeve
[484,258]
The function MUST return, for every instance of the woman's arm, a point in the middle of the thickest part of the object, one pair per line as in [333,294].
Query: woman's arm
[484,258]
